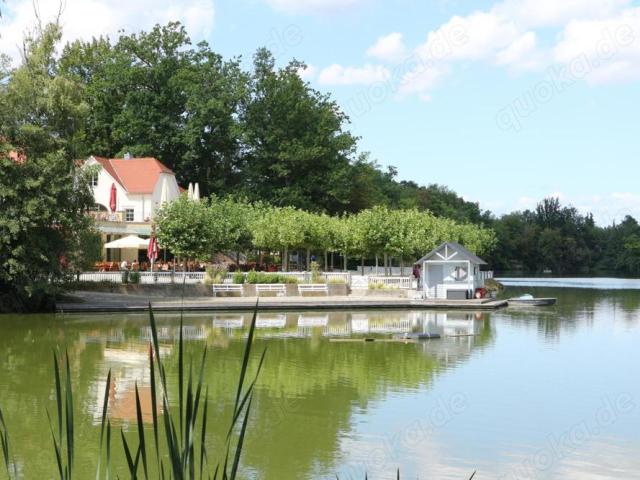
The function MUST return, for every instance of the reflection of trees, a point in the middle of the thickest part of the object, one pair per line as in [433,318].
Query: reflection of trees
[305,398]
[575,307]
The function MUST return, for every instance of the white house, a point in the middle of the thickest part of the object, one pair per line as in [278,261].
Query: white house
[451,272]
[139,184]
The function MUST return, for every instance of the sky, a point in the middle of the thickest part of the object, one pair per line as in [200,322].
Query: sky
[505,101]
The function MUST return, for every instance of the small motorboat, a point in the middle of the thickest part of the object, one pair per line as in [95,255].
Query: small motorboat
[531,301]
[417,336]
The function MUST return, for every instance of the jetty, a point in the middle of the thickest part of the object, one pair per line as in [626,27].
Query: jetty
[86,302]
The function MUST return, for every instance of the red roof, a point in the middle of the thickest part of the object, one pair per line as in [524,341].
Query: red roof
[136,175]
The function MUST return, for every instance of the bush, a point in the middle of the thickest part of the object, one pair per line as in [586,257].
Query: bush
[215,274]
[337,281]
[134,277]
[239,278]
[262,277]
[316,276]
[492,285]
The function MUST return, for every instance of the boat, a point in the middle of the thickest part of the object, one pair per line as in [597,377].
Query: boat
[416,336]
[531,301]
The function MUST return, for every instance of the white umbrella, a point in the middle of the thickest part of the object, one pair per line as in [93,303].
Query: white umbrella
[164,193]
[196,193]
[130,241]
[190,191]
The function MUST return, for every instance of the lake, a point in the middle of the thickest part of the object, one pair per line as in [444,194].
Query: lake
[548,393]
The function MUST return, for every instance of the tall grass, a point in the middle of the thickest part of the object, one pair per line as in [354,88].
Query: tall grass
[178,448]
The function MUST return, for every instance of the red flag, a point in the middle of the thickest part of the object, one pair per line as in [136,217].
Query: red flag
[152,249]
[112,198]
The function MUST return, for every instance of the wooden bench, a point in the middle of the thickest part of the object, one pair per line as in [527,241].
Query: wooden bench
[279,288]
[313,287]
[227,287]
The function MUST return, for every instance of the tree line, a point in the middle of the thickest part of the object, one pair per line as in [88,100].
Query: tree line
[198,229]
[260,134]
[559,239]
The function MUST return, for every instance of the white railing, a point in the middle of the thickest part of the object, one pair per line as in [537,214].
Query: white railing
[302,277]
[394,282]
[344,277]
[145,277]
[392,271]
[485,275]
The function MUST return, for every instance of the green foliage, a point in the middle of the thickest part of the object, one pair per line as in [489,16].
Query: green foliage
[215,274]
[42,224]
[188,229]
[492,285]
[316,277]
[254,277]
[560,239]
[134,277]
[239,278]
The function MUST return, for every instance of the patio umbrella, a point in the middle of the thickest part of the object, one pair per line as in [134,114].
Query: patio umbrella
[164,193]
[130,241]
[196,193]
[152,249]
[112,198]
[190,191]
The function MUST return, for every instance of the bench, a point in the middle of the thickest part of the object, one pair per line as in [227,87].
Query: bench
[227,287]
[279,288]
[313,287]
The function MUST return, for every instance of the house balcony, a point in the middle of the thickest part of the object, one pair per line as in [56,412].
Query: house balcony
[115,223]
[102,216]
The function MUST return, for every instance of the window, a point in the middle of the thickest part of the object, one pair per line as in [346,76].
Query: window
[128,214]
[94,180]
[460,274]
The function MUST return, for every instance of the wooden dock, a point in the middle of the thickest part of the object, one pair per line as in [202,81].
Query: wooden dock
[102,302]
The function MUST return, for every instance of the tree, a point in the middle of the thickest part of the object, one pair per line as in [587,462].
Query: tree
[278,229]
[43,196]
[188,229]
[297,151]
[41,110]
[43,205]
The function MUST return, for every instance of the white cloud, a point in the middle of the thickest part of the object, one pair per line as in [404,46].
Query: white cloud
[506,35]
[338,75]
[308,73]
[611,46]
[474,37]
[522,54]
[390,48]
[312,6]
[549,13]
[88,18]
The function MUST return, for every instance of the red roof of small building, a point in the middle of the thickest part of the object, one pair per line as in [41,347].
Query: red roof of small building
[136,175]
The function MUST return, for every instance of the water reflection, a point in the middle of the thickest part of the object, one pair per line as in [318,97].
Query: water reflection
[325,407]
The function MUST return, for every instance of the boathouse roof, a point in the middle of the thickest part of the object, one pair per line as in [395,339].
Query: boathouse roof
[452,252]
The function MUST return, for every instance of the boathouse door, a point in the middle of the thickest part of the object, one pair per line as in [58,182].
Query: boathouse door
[435,278]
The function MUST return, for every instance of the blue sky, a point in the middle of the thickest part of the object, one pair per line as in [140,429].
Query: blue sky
[505,101]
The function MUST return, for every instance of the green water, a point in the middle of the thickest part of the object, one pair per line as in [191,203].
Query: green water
[540,393]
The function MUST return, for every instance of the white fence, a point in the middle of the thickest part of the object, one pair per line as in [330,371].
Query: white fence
[484,276]
[349,278]
[394,282]
[305,277]
[145,277]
